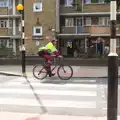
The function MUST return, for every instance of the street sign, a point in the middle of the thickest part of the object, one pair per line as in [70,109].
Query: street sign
[37,37]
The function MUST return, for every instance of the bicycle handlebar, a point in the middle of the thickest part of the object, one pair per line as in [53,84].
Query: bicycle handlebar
[57,56]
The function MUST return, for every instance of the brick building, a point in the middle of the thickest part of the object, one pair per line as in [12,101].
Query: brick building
[81,21]
[40,17]
[76,22]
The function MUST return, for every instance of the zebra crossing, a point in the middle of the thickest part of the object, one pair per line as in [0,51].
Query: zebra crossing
[4,79]
[30,96]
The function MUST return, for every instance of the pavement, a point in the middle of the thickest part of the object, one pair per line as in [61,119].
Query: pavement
[77,99]
[78,71]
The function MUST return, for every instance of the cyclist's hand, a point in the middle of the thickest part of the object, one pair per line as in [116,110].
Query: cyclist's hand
[60,56]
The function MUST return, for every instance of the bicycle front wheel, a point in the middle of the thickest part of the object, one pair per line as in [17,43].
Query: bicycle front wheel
[39,72]
[65,72]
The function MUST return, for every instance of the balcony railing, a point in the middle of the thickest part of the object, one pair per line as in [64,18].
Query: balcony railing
[102,29]
[10,12]
[88,29]
[10,32]
[17,31]
[74,30]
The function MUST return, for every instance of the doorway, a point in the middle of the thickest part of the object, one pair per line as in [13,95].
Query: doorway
[79,25]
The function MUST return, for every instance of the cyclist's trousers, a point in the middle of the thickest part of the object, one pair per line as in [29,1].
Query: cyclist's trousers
[47,57]
[49,60]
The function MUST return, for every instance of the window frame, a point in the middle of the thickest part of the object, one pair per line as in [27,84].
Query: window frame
[88,18]
[101,1]
[4,3]
[72,21]
[68,5]
[34,5]
[34,31]
[4,22]
[103,21]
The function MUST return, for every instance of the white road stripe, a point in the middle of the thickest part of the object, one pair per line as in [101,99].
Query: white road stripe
[48,92]
[53,85]
[48,103]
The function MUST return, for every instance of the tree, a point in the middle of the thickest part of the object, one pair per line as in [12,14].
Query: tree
[77,4]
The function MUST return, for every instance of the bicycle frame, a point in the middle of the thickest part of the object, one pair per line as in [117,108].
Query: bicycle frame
[54,66]
[54,63]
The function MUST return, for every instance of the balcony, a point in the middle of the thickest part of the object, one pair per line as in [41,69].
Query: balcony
[64,9]
[92,30]
[3,11]
[8,32]
[74,30]
[88,8]
[7,13]
[102,30]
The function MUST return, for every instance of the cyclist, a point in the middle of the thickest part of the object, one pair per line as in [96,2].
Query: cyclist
[47,52]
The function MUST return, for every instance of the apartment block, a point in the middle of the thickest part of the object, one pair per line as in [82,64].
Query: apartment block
[40,18]
[10,34]
[80,22]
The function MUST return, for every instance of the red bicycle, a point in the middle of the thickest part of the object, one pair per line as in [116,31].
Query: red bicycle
[63,72]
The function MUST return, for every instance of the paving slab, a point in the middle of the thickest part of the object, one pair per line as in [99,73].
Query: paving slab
[29,116]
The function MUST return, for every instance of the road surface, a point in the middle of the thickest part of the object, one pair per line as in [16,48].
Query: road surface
[79,71]
[77,97]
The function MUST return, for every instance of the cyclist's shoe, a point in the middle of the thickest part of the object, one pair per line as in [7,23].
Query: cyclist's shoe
[51,74]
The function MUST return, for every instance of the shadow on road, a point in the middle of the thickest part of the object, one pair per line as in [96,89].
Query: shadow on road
[37,97]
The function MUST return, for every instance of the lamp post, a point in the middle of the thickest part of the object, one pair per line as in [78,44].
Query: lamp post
[20,8]
[112,67]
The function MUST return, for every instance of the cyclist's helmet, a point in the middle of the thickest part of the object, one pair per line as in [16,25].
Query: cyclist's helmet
[54,40]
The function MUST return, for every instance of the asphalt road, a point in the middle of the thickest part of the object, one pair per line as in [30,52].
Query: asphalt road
[79,71]
[77,97]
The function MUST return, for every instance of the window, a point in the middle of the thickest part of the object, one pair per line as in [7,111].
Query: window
[101,21]
[10,4]
[69,22]
[101,1]
[37,7]
[68,2]
[9,23]
[107,20]
[4,3]
[88,1]
[6,43]
[3,43]
[94,20]
[3,23]
[10,43]
[37,31]
[104,21]
[88,21]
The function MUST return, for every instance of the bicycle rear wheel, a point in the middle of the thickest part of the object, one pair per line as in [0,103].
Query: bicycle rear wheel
[66,71]
[39,72]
